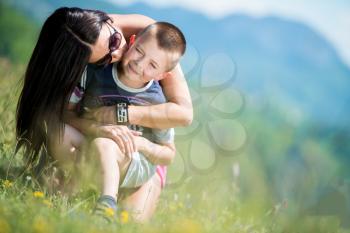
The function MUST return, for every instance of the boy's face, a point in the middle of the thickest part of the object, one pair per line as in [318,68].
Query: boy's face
[145,61]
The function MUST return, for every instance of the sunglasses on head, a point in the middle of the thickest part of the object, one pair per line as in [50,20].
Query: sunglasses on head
[114,43]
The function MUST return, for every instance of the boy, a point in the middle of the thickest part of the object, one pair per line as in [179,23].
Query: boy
[156,51]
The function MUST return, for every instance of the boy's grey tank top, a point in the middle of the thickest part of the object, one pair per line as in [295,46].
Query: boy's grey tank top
[103,88]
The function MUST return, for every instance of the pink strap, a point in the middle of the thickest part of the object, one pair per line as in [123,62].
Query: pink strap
[162,171]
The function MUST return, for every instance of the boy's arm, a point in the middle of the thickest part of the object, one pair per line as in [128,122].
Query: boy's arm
[158,154]
[179,109]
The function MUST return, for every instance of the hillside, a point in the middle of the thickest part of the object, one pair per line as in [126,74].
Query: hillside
[279,62]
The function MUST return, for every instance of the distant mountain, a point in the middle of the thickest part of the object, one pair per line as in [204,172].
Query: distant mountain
[281,62]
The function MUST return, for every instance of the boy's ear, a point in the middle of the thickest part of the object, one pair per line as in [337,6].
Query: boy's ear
[165,75]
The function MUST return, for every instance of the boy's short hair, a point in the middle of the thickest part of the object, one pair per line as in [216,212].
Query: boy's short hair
[169,37]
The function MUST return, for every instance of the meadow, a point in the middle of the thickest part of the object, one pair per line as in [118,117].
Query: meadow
[215,201]
[28,206]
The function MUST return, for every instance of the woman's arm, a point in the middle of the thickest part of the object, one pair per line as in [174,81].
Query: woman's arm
[176,112]
[131,24]
[117,133]
[85,126]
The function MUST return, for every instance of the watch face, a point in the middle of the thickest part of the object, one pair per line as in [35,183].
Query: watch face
[122,113]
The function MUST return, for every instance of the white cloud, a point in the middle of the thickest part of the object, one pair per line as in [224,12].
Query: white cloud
[331,18]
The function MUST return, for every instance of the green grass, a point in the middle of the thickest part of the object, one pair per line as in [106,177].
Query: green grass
[202,203]
[23,211]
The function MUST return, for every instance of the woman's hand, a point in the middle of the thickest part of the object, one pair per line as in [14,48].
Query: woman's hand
[122,135]
[103,115]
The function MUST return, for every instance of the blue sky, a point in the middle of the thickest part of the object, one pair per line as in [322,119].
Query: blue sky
[331,18]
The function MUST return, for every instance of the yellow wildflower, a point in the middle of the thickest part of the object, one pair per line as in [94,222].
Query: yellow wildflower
[187,225]
[109,212]
[181,205]
[124,216]
[4,226]
[40,225]
[38,194]
[48,203]
[7,184]
[172,207]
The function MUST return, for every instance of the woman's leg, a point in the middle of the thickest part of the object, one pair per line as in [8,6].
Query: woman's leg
[142,202]
[67,151]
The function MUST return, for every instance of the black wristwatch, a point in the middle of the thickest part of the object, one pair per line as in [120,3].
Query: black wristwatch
[122,114]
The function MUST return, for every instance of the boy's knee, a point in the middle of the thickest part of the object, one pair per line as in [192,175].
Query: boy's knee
[106,146]
[103,142]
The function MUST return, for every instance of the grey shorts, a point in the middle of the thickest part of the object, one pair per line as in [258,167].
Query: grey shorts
[139,172]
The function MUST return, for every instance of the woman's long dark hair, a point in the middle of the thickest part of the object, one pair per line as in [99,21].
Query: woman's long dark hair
[55,67]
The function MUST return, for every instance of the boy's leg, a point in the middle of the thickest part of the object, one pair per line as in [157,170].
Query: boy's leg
[114,164]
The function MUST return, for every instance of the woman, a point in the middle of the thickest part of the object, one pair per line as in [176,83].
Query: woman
[70,39]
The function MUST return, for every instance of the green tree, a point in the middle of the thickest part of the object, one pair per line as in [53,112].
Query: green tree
[18,34]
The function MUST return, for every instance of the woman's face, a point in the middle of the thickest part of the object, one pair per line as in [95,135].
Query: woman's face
[101,48]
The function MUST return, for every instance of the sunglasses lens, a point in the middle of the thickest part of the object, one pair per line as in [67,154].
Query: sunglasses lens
[114,41]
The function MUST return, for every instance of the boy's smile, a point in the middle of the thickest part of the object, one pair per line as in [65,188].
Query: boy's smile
[145,61]
[131,69]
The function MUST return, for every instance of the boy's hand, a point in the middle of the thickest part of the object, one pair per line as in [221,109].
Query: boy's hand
[124,137]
